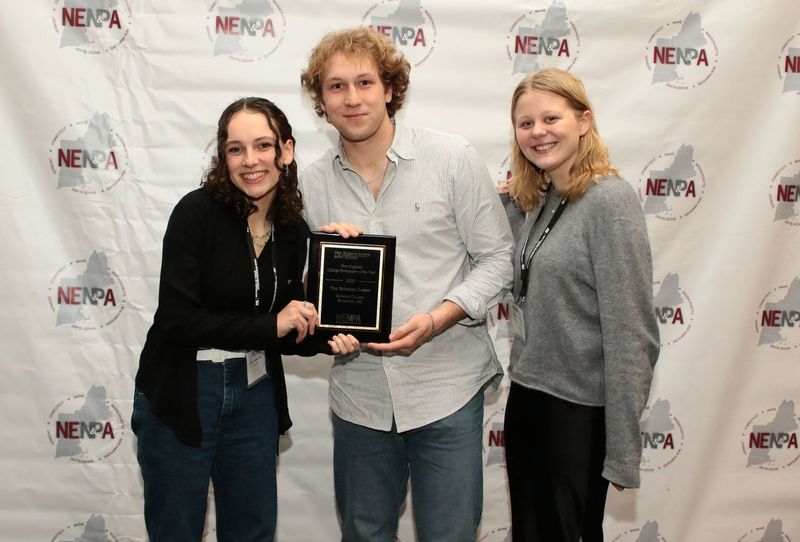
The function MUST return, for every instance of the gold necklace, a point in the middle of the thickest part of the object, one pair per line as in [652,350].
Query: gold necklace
[379,176]
[260,241]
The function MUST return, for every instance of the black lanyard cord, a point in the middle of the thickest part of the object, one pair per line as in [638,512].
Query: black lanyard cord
[254,259]
[525,263]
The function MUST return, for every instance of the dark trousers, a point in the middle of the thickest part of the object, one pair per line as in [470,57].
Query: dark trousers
[554,457]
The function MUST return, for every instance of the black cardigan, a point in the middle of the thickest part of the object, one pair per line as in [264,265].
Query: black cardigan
[205,300]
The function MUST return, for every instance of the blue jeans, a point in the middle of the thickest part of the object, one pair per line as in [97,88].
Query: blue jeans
[237,453]
[443,459]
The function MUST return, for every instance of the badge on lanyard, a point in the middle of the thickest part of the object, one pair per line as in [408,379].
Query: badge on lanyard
[518,322]
[256,367]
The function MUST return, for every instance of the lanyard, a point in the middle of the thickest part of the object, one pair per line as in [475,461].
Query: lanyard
[254,258]
[525,264]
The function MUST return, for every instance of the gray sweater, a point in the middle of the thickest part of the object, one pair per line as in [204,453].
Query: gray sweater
[592,336]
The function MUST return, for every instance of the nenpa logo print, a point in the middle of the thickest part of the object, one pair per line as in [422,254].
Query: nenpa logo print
[543,38]
[789,64]
[86,428]
[671,185]
[674,309]
[662,437]
[92,530]
[769,439]
[89,157]
[784,194]
[245,30]
[92,26]
[771,532]
[408,24]
[494,447]
[502,534]
[649,532]
[499,321]
[87,294]
[681,54]
[504,174]
[778,317]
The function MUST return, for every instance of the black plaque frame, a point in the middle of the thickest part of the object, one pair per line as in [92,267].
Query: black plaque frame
[332,257]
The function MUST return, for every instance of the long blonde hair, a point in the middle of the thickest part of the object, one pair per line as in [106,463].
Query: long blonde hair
[528,182]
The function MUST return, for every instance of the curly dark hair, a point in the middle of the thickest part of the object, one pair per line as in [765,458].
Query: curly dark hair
[393,67]
[288,203]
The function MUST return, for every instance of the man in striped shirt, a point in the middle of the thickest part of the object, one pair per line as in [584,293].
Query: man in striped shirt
[412,407]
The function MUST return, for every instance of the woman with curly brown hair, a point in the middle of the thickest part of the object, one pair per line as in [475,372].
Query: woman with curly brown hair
[210,396]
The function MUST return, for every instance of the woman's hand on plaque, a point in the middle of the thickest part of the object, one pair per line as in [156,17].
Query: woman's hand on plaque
[300,316]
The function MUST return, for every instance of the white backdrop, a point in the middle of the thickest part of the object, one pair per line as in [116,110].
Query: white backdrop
[109,109]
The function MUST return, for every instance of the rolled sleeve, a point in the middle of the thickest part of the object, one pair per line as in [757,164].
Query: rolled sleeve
[482,224]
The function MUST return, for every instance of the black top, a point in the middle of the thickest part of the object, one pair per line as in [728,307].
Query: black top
[206,300]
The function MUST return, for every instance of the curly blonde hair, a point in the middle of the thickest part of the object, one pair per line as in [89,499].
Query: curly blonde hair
[360,41]
[528,183]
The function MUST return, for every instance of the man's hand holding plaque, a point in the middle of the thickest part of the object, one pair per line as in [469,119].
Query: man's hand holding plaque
[420,328]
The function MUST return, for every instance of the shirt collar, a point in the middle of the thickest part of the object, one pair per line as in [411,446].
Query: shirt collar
[402,145]
[403,142]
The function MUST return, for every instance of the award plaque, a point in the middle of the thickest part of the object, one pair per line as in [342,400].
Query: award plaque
[351,281]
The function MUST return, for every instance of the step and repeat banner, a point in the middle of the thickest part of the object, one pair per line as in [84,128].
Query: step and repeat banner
[109,110]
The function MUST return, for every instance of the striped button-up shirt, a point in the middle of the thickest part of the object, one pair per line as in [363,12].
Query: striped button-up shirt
[453,243]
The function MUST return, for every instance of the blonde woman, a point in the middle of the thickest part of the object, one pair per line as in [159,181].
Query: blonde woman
[586,339]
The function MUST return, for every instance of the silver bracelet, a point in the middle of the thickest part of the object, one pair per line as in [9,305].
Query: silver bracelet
[433,326]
